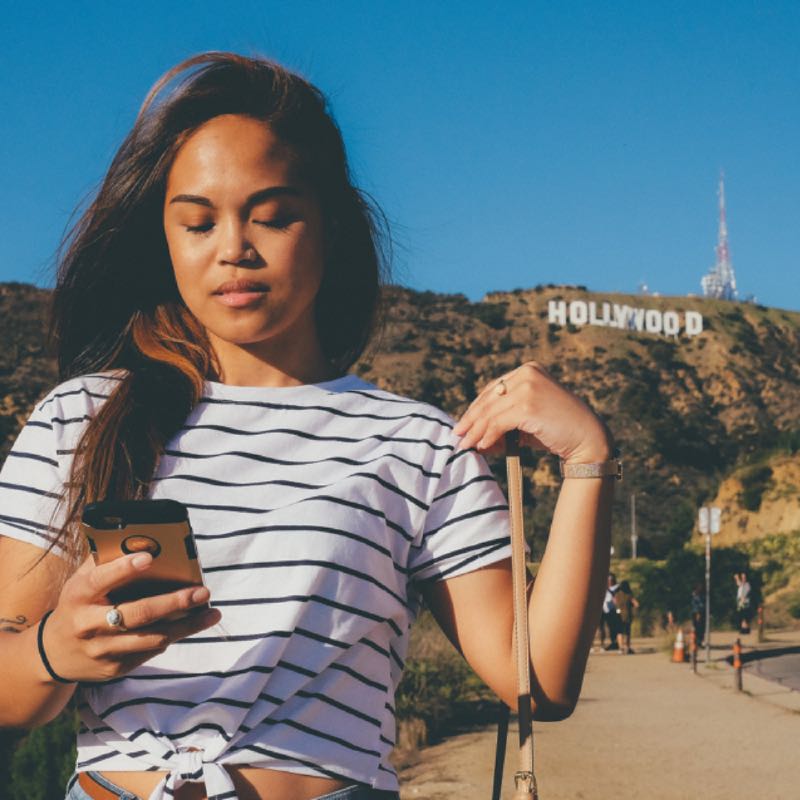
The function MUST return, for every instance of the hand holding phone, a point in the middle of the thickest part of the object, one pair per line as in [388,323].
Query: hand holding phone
[161,600]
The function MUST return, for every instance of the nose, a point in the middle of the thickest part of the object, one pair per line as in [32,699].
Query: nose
[234,246]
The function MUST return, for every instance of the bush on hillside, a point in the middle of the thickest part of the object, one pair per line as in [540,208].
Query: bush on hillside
[491,314]
[754,483]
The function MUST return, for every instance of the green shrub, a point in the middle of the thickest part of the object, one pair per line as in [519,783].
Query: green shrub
[438,686]
[754,483]
[491,314]
[662,586]
[44,759]
[794,606]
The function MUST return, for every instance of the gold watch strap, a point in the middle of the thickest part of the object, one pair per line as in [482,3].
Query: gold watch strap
[599,469]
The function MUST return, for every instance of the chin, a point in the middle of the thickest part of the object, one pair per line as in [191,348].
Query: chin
[242,335]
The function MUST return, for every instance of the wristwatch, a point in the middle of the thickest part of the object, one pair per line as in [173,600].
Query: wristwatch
[599,469]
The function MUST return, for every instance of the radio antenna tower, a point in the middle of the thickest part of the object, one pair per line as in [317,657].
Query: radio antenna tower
[720,282]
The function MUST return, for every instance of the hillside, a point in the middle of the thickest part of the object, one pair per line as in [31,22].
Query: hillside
[688,410]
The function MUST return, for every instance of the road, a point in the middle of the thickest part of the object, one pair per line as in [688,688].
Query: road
[644,728]
[783,669]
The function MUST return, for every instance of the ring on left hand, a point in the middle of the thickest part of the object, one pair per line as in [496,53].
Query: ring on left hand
[115,620]
[500,387]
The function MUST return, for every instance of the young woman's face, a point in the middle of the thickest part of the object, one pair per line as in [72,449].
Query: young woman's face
[244,235]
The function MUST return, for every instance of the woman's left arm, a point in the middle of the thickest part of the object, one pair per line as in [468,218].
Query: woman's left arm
[476,610]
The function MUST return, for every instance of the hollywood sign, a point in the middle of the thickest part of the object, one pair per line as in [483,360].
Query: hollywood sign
[614,315]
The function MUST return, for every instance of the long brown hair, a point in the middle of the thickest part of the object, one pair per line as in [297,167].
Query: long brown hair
[116,304]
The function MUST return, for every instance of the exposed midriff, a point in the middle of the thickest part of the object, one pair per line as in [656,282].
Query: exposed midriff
[252,783]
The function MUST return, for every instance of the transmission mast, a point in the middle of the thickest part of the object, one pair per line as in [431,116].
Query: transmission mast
[720,282]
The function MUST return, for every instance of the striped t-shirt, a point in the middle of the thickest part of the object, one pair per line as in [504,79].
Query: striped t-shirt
[318,510]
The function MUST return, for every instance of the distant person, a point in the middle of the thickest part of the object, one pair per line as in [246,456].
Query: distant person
[698,611]
[601,628]
[743,612]
[624,602]
[610,615]
[668,620]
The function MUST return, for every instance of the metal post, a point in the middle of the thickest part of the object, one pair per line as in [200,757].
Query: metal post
[737,664]
[633,525]
[693,645]
[708,598]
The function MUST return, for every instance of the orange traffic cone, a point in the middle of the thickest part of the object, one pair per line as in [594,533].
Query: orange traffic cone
[678,651]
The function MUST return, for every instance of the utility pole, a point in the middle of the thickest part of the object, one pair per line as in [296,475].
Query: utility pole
[634,537]
[708,521]
[708,597]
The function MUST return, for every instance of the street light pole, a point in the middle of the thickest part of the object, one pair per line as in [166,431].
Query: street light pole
[634,538]
[708,597]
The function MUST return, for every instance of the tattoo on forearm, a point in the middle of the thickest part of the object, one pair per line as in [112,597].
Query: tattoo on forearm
[8,624]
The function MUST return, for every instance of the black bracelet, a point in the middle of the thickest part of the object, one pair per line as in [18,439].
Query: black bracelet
[40,642]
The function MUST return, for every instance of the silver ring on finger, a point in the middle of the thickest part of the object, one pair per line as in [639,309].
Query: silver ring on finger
[500,387]
[115,620]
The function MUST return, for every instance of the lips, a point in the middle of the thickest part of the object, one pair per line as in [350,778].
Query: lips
[241,286]
[241,293]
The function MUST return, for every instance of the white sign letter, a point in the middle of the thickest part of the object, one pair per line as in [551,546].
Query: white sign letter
[694,323]
[652,320]
[557,312]
[578,312]
[672,324]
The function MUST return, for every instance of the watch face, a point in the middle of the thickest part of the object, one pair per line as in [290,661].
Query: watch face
[140,544]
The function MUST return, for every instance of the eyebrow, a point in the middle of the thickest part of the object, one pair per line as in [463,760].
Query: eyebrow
[261,196]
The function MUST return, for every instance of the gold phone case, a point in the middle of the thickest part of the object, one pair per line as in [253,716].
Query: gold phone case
[171,544]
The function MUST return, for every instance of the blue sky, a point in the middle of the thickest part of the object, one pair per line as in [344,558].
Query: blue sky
[509,145]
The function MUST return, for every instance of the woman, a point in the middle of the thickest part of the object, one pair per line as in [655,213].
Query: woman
[212,299]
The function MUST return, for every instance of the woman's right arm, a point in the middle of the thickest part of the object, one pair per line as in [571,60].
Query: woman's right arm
[79,643]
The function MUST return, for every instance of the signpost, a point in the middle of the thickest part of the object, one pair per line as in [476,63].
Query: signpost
[708,522]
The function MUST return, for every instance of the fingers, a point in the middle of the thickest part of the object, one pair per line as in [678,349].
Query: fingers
[92,650]
[149,610]
[116,654]
[159,636]
[495,391]
[486,432]
[92,582]
[479,424]
[504,404]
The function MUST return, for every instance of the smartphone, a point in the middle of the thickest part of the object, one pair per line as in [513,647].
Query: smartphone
[159,527]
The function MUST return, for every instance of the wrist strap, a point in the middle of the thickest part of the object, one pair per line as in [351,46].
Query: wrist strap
[40,641]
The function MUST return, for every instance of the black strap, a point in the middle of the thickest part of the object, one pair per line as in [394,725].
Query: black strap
[40,641]
[500,752]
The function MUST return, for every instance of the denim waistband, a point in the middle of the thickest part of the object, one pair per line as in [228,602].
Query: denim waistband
[358,791]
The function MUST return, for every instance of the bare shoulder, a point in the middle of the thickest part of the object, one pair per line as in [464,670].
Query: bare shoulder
[29,583]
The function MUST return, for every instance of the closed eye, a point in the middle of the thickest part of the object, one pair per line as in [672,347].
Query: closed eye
[278,222]
[204,228]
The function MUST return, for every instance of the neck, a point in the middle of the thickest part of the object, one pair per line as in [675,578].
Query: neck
[278,364]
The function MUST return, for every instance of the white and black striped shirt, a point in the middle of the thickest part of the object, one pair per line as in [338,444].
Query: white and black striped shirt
[317,510]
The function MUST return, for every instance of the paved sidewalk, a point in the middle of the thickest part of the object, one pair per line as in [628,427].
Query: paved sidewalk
[644,729]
